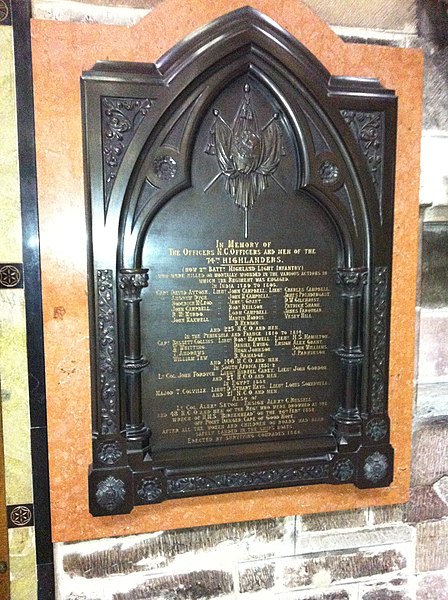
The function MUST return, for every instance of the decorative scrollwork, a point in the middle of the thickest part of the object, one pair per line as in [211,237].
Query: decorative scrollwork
[109,452]
[344,470]
[150,489]
[375,467]
[120,119]
[378,392]
[107,353]
[376,429]
[368,129]
[110,493]
[253,479]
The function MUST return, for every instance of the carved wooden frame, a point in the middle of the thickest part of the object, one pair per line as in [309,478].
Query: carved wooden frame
[125,108]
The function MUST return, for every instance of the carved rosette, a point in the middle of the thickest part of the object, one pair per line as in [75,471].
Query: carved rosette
[344,470]
[375,467]
[352,281]
[132,281]
[107,353]
[376,429]
[165,167]
[329,172]
[150,489]
[10,276]
[109,453]
[368,130]
[380,286]
[110,493]
[121,117]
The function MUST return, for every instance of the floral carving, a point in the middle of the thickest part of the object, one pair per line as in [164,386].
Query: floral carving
[110,493]
[120,119]
[376,429]
[107,351]
[368,129]
[328,172]
[109,452]
[378,392]
[375,467]
[149,489]
[252,479]
[165,167]
[352,280]
[344,469]
[131,282]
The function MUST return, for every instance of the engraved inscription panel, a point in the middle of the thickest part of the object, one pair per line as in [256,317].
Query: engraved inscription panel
[242,314]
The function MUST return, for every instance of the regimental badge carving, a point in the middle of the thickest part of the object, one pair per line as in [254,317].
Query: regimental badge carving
[21,516]
[248,155]
[184,485]
[368,129]
[109,452]
[328,172]
[344,470]
[165,167]
[380,285]
[376,429]
[375,467]
[110,493]
[120,119]
[10,276]
[149,489]
[107,349]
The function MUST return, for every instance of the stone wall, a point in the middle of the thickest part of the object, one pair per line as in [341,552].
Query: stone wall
[394,553]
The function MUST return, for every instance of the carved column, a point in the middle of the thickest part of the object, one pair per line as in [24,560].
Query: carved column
[347,419]
[131,282]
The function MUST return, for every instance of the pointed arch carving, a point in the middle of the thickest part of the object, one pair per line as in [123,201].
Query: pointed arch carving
[245,126]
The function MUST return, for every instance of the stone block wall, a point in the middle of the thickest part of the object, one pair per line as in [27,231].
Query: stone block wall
[388,553]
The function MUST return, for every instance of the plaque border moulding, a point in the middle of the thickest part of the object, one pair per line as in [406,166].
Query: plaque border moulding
[139,123]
